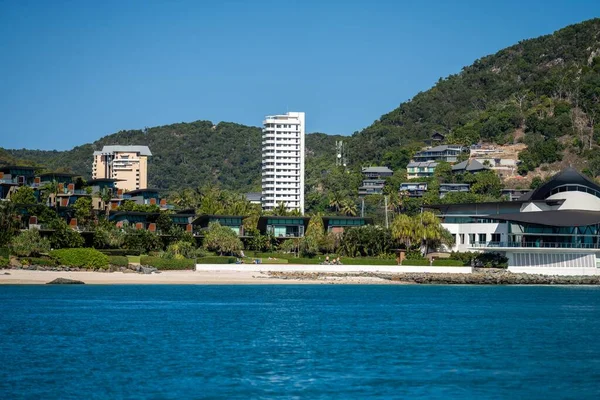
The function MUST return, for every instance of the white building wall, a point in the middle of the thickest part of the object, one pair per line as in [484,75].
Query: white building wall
[283,161]
[463,234]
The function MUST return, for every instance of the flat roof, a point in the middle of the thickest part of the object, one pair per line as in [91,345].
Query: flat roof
[143,150]
[137,191]
[553,217]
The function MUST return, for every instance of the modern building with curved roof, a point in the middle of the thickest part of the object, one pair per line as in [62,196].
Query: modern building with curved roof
[554,229]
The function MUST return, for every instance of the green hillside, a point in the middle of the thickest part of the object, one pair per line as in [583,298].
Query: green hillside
[546,88]
[185,154]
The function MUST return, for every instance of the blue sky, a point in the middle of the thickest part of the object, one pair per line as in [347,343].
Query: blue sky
[74,71]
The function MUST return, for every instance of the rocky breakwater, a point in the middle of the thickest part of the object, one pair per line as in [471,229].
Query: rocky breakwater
[132,269]
[481,276]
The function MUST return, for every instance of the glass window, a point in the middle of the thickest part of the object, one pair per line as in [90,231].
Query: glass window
[482,237]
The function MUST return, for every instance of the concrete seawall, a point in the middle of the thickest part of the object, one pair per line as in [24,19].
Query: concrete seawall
[399,269]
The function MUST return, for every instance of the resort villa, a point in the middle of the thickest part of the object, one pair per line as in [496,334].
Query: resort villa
[552,230]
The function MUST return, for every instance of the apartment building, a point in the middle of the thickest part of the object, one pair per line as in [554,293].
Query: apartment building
[449,153]
[127,164]
[283,161]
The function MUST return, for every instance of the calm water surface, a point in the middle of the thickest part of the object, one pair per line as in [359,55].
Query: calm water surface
[321,342]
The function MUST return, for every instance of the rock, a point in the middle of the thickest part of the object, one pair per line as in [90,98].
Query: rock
[147,270]
[7,273]
[128,271]
[14,262]
[65,281]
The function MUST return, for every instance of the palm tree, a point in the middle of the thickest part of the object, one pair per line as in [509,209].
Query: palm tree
[281,209]
[348,208]
[431,231]
[49,189]
[106,196]
[404,230]
[335,201]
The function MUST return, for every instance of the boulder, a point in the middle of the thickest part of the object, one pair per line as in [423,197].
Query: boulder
[147,270]
[65,281]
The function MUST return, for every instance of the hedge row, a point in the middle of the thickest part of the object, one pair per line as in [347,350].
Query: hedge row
[417,263]
[45,262]
[118,261]
[3,262]
[216,260]
[120,252]
[446,262]
[87,258]
[368,261]
[167,264]
[305,261]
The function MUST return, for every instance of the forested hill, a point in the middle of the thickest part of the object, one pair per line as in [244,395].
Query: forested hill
[184,155]
[548,86]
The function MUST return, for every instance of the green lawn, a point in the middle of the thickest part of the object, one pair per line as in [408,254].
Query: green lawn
[134,259]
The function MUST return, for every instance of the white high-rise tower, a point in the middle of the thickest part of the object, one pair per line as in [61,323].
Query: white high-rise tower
[283,161]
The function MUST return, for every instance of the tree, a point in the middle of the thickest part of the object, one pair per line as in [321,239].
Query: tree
[404,230]
[23,195]
[29,243]
[221,239]
[313,237]
[536,182]
[348,208]
[487,183]
[9,222]
[83,210]
[50,190]
[63,236]
[108,236]
[106,196]
[430,230]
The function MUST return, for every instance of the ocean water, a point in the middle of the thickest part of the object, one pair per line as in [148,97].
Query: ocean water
[304,341]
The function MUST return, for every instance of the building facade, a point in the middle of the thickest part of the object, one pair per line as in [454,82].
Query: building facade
[449,153]
[127,164]
[416,170]
[283,161]
[552,230]
[374,180]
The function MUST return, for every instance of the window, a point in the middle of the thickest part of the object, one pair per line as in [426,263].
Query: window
[471,238]
[461,238]
[495,237]
[482,237]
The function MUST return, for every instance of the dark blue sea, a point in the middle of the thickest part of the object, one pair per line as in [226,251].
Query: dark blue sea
[288,342]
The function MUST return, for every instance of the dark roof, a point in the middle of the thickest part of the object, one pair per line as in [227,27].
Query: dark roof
[103,180]
[7,168]
[262,221]
[437,134]
[469,166]
[119,213]
[367,219]
[206,217]
[254,196]
[138,191]
[553,218]
[568,176]
[377,170]
[63,174]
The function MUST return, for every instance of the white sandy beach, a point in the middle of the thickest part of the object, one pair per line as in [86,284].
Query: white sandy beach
[26,277]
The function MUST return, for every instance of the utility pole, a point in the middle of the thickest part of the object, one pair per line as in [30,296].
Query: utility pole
[387,225]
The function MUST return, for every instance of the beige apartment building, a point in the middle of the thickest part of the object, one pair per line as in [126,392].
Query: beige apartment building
[128,164]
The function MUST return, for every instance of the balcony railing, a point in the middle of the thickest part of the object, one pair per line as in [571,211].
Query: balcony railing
[545,245]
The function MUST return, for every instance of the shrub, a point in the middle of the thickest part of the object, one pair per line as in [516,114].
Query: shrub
[4,262]
[180,250]
[29,243]
[305,261]
[221,239]
[46,262]
[4,252]
[119,252]
[424,262]
[167,264]
[118,261]
[446,262]
[367,261]
[414,255]
[491,260]
[88,258]
[217,260]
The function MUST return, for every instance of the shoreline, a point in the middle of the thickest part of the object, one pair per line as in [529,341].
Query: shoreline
[275,277]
